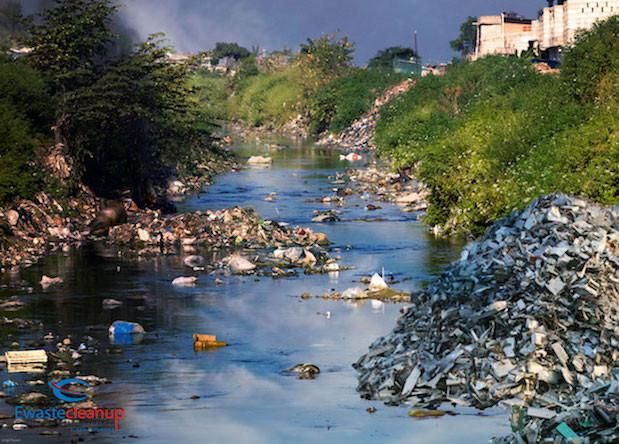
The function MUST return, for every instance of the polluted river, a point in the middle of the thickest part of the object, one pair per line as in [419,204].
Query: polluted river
[239,393]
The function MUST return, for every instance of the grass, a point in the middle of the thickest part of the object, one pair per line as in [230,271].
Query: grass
[492,135]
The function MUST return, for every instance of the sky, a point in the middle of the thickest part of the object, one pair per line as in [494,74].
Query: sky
[194,25]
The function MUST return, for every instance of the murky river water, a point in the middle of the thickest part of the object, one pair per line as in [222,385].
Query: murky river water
[243,398]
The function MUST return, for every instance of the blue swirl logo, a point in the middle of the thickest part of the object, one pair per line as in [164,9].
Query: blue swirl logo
[67,395]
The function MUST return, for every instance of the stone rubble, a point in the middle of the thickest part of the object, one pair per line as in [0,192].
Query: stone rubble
[399,188]
[360,135]
[528,316]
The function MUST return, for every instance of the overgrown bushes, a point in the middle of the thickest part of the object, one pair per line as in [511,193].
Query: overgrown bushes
[268,98]
[492,135]
[342,101]
[24,116]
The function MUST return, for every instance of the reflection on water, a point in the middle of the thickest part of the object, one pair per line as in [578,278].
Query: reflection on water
[237,394]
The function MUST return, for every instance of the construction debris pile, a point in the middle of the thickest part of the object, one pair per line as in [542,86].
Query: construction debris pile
[360,134]
[234,227]
[529,316]
[400,188]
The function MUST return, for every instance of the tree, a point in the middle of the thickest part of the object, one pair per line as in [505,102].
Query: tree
[226,49]
[23,117]
[467,40]
[10,19]
[328,54]
[69,40]
[126,118]
[384,58]
[141,107]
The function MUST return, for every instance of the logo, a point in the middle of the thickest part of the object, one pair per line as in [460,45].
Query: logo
[99,419]
[67,395]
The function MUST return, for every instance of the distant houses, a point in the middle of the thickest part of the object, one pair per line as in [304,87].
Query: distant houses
[556,27]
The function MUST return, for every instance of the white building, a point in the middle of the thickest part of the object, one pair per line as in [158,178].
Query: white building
[504,34]
[556,27]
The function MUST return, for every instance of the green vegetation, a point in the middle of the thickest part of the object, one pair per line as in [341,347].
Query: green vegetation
[276,96]
[466,41]
[268,98]
[319,84]
[342,101]
[127,118]
[211,92]
[11,27]
[23,118]
[227,49]
[492,135]
[384,57]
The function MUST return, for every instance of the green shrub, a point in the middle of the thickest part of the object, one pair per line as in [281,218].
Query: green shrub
[18,175]
[269,98]
[593,57]
[211,96]
[484,139]
[340,102]
[24,116]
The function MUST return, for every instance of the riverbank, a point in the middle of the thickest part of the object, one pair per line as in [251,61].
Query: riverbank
[267,323]
[32,228]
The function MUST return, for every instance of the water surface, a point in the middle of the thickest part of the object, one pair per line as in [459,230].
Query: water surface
[242,395]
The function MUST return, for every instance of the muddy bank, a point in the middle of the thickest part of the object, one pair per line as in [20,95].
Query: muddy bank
[296,129]
[527,317]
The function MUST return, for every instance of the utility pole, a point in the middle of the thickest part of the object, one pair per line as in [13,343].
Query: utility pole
[416,46]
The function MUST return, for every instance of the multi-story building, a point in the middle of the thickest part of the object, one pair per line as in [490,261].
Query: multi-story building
[503,34]
[556,27]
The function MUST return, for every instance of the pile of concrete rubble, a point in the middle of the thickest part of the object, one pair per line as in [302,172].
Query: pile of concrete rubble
[529,316]
[360,134]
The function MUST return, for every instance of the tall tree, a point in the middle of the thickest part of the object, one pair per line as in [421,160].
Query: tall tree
[324,59]
[125,117]
[69,42]
[141,106]
[467,40]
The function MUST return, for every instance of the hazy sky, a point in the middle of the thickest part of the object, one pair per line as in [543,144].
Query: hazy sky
[193,25]
[373,24]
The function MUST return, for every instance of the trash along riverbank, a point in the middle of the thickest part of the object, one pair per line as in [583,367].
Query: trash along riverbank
[528,318]
[174,387]
[30,229]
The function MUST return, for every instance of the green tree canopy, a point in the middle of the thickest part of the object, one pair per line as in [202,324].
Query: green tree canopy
[69,41]
[384,57]
[467,40]
[229,49]
[126,118]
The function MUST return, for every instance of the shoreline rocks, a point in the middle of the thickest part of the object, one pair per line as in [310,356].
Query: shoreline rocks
[399,188]
[527,317]
[360,135]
